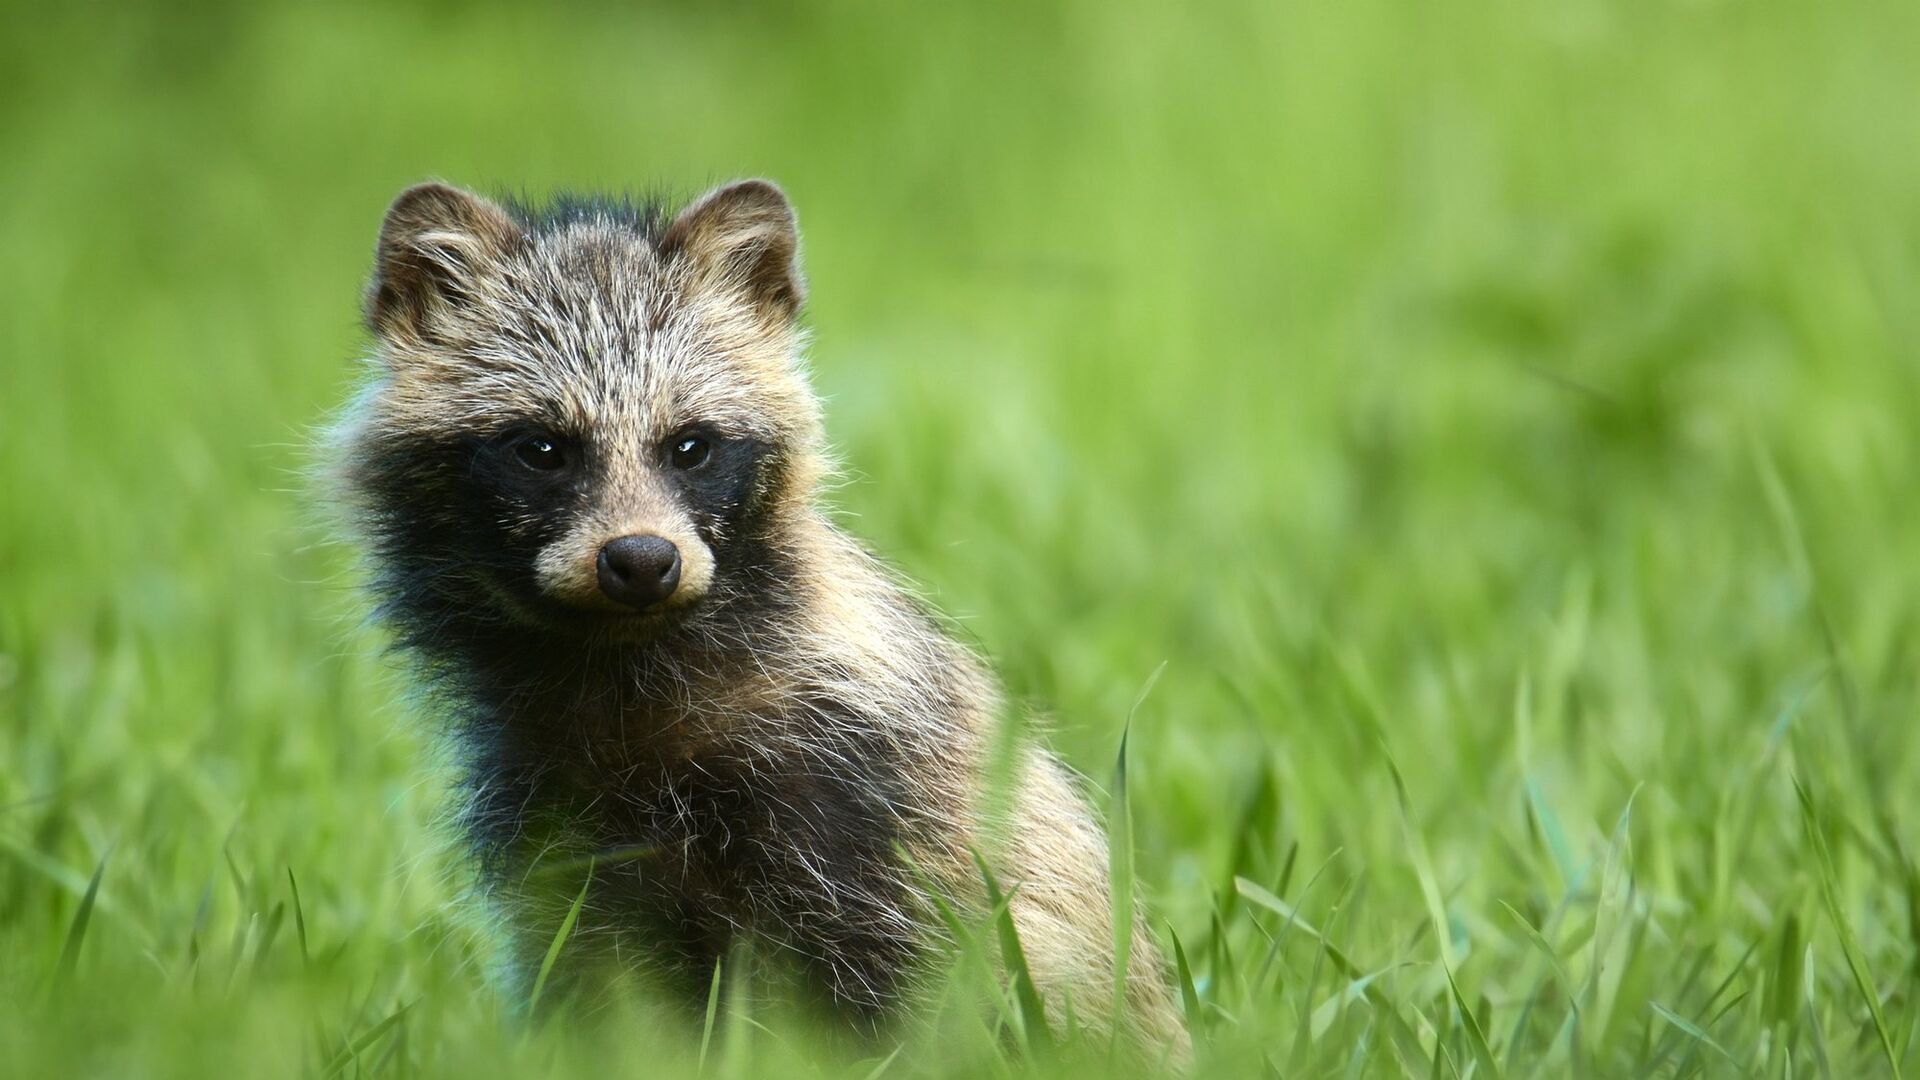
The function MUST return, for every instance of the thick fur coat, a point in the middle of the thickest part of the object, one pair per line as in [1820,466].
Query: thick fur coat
[775,744]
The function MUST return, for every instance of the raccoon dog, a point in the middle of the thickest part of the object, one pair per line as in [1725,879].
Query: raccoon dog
[585,470]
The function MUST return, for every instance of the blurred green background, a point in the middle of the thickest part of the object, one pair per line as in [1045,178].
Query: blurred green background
[1497,417]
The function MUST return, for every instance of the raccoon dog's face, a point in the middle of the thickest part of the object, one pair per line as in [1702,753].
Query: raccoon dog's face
[587,417]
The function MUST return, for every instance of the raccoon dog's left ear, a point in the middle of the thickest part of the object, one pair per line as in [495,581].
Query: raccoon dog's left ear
[743,235]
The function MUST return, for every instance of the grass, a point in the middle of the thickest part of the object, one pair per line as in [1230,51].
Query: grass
[1497,419]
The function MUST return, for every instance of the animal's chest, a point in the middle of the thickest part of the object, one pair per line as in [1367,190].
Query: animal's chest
[695,852]
[735,833]
[694,831]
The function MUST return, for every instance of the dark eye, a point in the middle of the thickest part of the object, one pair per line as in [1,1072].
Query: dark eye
[541,452]
[690,451]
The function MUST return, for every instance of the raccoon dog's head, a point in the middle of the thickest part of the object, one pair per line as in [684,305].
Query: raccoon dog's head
[587,416]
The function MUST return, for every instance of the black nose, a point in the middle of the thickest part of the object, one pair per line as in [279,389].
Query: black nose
[639,570]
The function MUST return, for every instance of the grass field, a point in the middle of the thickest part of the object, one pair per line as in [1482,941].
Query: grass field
[1499,420]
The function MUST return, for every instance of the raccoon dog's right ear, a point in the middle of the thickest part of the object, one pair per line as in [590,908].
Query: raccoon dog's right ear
[434,243]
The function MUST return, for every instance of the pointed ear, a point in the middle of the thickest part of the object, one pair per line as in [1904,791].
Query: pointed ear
[743,235]
[434,243]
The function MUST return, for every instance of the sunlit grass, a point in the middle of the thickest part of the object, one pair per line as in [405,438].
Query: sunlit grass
[1487,429]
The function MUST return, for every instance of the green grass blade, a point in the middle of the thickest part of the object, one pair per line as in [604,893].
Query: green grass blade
[1783,988]
[1405,1042]
[1255,894]
[1422,863]
[1356,989]
[299,920]
[351,1052]
[1189,995]
[70,952]
[268,935]
[1545,948]
[1693,1031]
[1120,866]
[1031,1016]
[1476,1039]
[559,941]
[82,916]
[713,1012]
[881,1067]
[1849,944]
